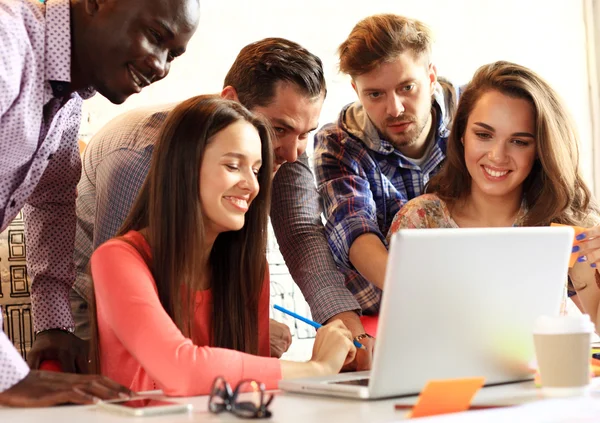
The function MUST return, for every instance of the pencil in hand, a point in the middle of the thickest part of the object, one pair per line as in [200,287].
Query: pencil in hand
[309,322]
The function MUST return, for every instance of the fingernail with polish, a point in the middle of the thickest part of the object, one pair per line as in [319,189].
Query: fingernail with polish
[582,259]
[575,249]
[593,265]
[580,237]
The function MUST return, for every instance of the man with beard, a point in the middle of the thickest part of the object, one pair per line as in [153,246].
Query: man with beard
[383,148]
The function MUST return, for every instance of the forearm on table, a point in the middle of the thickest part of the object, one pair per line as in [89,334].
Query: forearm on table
[369,256]
[299,369]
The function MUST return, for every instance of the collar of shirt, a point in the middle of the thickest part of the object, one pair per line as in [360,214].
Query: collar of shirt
[58,51]
[436,154]
[520,218]
[354,119]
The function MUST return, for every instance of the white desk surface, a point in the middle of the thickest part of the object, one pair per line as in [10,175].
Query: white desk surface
[286,407]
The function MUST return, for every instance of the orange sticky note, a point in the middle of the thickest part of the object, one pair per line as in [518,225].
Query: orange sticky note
[578,230]
[595,365]
[446,396]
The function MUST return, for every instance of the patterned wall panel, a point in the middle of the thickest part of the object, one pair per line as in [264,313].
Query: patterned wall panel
[15,286]
[18,326]
[286,293]
[16,244]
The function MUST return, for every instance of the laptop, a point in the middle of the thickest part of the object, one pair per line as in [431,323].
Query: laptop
[458,303]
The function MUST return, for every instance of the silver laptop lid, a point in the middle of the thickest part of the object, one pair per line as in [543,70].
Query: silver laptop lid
[462,302]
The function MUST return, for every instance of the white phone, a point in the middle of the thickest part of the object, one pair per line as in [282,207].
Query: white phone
[144,406]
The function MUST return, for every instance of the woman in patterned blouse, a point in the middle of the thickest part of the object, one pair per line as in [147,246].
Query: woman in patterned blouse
[513,160]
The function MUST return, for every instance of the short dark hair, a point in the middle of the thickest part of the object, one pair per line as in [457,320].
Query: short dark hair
[261,65]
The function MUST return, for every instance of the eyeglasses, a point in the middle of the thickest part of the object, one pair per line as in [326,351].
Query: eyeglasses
[246,401]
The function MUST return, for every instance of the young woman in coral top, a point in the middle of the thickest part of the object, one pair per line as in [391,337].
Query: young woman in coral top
[182,294]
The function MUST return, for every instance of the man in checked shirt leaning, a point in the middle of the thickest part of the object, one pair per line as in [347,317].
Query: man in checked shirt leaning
[384,147]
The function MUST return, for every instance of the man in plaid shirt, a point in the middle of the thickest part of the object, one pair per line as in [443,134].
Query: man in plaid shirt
[384,147]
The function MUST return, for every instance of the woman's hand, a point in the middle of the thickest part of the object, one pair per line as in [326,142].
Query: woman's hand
[588,249]
[333,348]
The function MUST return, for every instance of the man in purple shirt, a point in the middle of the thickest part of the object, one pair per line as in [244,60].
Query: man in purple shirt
[55,54]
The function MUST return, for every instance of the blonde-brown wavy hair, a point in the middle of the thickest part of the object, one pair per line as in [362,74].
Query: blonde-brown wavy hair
[554,191]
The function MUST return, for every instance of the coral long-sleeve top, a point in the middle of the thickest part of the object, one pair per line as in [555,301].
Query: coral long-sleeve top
[143,349]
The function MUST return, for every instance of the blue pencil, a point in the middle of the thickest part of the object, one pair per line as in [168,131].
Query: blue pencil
[307,321]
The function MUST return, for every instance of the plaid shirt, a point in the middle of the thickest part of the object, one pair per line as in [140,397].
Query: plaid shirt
[364,181]
[115,165]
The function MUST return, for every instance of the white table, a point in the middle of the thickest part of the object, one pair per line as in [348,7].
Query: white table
[286,407]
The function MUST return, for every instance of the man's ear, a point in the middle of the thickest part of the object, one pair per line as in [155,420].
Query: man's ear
[354,86]
[92,6]
[432,76]
[229,93]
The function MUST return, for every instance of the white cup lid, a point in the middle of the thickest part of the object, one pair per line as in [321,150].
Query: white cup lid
[548,325]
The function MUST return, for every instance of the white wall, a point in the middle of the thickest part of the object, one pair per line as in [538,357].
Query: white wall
[545,35]
[592,24]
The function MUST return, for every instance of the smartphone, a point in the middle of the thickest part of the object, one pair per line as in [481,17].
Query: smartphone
[144,406]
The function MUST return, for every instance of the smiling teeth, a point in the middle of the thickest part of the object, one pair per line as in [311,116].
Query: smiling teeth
[240,202]
[136,79]
[495,173]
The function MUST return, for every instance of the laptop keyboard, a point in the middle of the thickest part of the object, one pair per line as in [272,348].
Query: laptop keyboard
[359,382]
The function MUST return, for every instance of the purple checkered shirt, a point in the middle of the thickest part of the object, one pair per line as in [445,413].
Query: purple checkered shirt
[39,156]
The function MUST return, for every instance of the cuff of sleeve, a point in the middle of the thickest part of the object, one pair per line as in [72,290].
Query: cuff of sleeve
[13,368]
[51,309]
[345,233]
[328,302]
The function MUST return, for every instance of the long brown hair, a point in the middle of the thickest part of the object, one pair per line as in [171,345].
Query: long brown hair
[554,191]
[168,205]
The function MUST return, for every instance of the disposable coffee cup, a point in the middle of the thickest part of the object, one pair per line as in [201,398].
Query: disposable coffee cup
[563,350]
